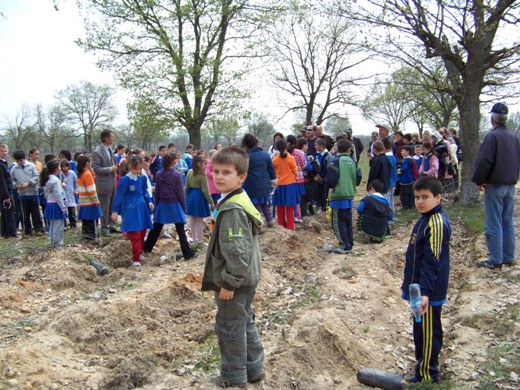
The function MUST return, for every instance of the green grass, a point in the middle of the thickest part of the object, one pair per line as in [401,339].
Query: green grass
[471,216]
[206,358]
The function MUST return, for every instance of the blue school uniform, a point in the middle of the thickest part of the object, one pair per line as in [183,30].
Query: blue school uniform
[131,202]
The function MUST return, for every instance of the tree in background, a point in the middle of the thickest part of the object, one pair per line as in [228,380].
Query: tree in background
[52,128]
[474,41]
[148,121]
[387,102]
[222,128]
[19,130]
[315,54]
[336,125]
[87,106]
[177,52]
[258,125]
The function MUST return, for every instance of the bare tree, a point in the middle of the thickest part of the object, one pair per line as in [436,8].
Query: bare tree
[19,130]
[470,38]
[258,125]
[315,55]
[87,106]
[52,127]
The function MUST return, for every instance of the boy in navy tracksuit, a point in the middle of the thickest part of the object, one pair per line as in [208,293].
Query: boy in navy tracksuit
[428,264]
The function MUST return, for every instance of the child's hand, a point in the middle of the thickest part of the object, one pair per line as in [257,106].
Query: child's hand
[226,295]
[424,304]
[151,205]
[212,206]
[114,216]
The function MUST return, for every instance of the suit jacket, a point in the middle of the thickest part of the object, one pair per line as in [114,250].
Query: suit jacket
[102,165]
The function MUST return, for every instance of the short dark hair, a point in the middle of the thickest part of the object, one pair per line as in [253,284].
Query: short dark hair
[19,154]
[376,185]
[387,143]
[301,142]
[170,145]
[232,155]
[408,137]
[105,134]
[321,142]
[162,147]
[429,183]
[427,145]
[66,153]
[343,145]
[408,149]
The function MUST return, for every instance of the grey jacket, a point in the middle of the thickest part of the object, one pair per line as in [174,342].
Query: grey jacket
[102,165]
[233,256]
[27,173]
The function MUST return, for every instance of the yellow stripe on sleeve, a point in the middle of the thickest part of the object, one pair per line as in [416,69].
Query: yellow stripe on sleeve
[436,234]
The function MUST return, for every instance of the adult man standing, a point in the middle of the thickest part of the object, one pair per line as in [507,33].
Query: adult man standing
[356,143]
[496,172]
[105,168]
[329,142]
[7,225]
[311,140]
[384,130]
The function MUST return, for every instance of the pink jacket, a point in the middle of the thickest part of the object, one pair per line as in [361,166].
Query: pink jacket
[209,176]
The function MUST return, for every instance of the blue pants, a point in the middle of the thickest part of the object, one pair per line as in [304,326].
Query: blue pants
[499,226]
[427,337]
[342,226]
[241,350]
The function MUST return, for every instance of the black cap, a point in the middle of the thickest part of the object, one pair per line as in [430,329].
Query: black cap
[500,108]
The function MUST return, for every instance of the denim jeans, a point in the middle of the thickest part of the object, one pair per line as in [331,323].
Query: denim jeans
[499,227]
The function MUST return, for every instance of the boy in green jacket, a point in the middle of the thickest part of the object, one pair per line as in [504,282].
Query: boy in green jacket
[232,270]
[341,179]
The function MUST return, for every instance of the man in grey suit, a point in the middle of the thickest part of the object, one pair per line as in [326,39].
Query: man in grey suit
[105,168]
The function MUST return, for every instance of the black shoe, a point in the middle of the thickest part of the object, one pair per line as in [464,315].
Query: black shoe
[488,265]
[224,383]
[256,378]
[114,230]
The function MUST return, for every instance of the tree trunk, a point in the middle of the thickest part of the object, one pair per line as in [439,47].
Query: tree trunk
[194,135]
[469,135]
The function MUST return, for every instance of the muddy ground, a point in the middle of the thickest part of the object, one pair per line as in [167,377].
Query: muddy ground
[322,317]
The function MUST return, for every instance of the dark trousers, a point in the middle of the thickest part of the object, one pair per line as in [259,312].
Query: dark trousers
[427,337]
[31,211]
[72,216]
[18,213]
[7,226]
[321,196]
[407,196]
[265,210]
[306,200]
[153,236]
[241,350]
[342,227]
[89,229]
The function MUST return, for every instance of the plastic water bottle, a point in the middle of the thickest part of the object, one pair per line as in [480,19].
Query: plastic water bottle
[415,301]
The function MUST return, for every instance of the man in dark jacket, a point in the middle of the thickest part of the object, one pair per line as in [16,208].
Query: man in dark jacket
[380,168]
[496,172]
[7,225]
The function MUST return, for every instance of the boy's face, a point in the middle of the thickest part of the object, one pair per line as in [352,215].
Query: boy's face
[405,152]
[320,148]
[426,201]
[20,161]
[163,152]
[418,151]
[227,178]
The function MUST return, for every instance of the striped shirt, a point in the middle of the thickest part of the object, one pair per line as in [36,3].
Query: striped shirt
[87,190]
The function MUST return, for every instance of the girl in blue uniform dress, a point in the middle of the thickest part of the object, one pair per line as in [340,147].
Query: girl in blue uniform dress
[56,210]
[170,206]
[134,205]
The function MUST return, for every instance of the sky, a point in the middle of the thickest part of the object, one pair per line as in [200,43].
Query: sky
[39,58]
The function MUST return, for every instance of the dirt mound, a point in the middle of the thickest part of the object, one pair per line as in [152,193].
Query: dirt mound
[322,317]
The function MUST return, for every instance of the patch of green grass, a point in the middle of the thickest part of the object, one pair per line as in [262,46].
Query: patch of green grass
[23,322]
[471,216]
[366,329]
[206,358]
[502,360]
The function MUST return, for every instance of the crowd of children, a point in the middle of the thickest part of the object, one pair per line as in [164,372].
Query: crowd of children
[238,187]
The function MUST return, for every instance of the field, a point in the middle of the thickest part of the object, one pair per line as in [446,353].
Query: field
[321,317]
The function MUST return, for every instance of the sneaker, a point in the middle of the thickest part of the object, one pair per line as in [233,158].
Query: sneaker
[271,224]
[166,235]
[224,383]
[488,265]
[136,263]
[298,220]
